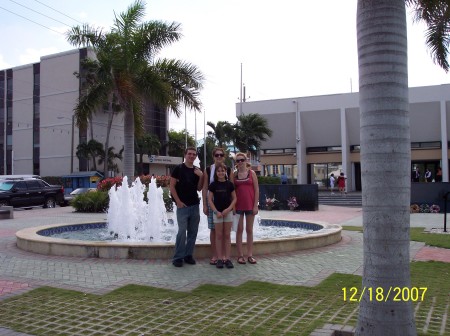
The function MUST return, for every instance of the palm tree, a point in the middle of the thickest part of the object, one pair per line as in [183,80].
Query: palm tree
[222,132]
[250,131]
[130,51]
[386,154]
[177,142]
[96,94]
[90,150]
[108,158]
[146,144]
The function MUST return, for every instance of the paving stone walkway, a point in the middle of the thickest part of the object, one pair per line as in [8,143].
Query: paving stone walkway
[21,271]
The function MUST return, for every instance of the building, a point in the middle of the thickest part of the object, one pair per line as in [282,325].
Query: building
[37,130]
[324,130]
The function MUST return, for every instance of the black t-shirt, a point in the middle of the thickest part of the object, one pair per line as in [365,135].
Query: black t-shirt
[222,194]
[186,185]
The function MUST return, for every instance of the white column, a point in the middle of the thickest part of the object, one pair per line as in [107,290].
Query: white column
[346,165]
[298,149]
[444,140]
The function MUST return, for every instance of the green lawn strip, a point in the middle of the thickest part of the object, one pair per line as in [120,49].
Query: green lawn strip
[418,234]
[253,308]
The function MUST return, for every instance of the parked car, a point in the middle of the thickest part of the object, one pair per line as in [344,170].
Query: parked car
[76,192]
[26,192]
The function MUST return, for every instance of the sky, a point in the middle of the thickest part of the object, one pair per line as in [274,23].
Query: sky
[286,49]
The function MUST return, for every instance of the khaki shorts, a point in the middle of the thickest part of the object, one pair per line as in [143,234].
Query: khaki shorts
[227,219]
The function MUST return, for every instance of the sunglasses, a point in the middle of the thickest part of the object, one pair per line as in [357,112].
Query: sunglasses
[219,155]
[240,160]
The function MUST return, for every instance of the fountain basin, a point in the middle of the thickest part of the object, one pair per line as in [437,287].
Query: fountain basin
[36,240]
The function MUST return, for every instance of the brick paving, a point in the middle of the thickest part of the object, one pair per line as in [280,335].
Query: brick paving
[21,271]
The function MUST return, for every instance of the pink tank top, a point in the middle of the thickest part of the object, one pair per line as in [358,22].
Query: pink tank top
[245,193]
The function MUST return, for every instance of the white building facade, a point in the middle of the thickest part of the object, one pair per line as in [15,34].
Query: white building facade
[37,130]
[321,135]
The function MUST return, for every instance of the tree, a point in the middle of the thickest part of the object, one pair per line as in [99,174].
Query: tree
[386,148]
[146,144]
[177,142]
[210,144]
[250,131]
[130,50]
[110,155]
[90,151]
[96,94]
[222,132]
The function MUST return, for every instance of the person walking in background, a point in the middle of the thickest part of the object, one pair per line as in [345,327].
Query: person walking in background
[208,178]
[428,175]
[416,175]
[439,175]
[341,184]
[247,193]
[185,181]
[332,180]
[221,200]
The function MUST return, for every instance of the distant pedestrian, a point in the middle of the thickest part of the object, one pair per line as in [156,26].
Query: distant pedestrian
[341,184]
[185,181]
[332,181]
[439,175]
[416,175]
[284,179]
[428,177]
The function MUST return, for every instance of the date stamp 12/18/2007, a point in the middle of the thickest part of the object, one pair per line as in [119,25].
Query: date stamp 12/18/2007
[379,294]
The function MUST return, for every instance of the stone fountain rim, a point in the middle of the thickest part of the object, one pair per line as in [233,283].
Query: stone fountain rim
[29,240]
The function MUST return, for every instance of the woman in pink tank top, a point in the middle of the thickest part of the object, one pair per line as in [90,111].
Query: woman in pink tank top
[247,193]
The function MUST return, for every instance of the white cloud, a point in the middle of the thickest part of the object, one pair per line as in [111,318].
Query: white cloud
[34,55]
[3,63]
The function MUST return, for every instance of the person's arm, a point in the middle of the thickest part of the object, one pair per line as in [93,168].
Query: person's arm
[211,204]
[232,205]
[198,172]
[256,189]
[205,192]
[173,192]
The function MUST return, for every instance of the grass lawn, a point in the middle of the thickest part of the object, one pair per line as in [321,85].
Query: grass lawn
[253,308]
[418,234]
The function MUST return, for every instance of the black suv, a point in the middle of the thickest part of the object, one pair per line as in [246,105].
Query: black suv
[30,192]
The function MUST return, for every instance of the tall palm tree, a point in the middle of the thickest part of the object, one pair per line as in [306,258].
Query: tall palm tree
[250,130]
[96,94]
[386,156]
[130,50]
[222,131]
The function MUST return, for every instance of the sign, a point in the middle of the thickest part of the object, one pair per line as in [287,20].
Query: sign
[159,159]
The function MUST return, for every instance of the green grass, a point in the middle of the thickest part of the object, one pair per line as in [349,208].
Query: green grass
[253,308]
[418,234]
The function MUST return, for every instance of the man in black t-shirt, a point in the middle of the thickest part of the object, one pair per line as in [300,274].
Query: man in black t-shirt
[186,180]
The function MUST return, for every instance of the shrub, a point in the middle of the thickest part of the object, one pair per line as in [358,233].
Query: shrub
[269,180]
[107,183]
[96,201]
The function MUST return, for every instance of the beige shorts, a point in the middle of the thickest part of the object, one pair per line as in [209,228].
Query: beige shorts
[227,219]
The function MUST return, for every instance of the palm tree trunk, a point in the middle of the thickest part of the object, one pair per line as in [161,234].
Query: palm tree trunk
[385,165]
[108,131]
[128,154]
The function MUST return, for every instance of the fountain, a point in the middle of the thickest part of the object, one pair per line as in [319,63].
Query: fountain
[142,230]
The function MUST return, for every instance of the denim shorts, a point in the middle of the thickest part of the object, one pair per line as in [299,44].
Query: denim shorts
[227,219]
[244,212]
[210,218]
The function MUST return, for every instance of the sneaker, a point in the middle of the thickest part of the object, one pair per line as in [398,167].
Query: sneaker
[219,263]
[228,263]
[178,263]
[189,260]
